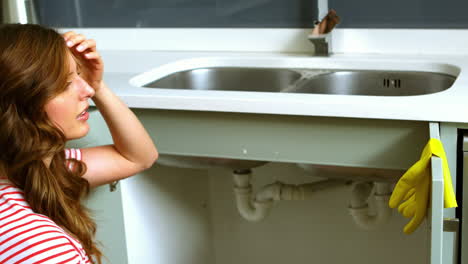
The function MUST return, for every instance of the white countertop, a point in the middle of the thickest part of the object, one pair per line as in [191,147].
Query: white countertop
[450,105]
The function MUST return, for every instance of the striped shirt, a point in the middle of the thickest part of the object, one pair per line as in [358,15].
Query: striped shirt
[27,237]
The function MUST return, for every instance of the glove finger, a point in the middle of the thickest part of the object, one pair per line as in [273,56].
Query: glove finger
[408,208]
[409,211]
[403,205]
[409,193]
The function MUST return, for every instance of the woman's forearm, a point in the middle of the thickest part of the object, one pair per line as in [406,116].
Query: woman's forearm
[130,137]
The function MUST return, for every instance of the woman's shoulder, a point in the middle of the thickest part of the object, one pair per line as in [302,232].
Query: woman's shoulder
[12,202]
[8,188]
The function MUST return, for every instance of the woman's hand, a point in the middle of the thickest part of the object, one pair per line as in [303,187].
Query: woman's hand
[90,61]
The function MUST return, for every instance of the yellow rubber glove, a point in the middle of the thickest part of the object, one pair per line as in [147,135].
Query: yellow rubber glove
[408,207]
[414,186]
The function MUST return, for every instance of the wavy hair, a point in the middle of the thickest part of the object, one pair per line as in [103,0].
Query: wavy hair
[34,63]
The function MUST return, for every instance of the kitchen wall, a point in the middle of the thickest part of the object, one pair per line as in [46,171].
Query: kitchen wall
[251,13]
[178,13]
[421,27]
[193,219]
[414,14]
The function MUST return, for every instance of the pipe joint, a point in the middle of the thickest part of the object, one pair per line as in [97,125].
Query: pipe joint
[359,208]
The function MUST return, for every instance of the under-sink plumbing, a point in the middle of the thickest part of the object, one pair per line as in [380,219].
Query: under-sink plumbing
[255,207]
[359,207]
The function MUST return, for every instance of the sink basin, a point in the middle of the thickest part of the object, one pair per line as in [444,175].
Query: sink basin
[230,79]
[307,81]
[379,83]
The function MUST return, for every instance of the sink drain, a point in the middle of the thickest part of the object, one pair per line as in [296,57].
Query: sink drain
[391,83]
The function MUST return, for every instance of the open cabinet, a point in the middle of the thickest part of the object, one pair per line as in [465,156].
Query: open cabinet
[176,216]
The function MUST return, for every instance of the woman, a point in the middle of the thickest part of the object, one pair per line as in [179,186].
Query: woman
[46,80]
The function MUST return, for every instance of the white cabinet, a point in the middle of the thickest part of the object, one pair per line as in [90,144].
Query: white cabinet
[179,215]
[436,215]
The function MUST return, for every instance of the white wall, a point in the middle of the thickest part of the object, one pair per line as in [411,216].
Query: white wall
[189,216]
[166,215]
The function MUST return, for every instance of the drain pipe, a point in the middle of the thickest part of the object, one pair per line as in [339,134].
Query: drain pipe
[250,210]
[359,208]
[258,208]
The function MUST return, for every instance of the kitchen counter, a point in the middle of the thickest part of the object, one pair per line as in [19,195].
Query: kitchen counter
[450,105]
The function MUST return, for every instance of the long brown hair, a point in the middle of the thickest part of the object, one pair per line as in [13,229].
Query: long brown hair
[34,68]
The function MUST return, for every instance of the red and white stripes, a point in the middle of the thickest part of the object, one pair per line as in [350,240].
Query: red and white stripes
[27,237]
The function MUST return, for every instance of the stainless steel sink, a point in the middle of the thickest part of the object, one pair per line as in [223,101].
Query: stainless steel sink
[308,81]
[230,79]
[379,83]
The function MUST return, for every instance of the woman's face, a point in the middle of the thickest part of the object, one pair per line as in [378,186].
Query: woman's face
[68,110]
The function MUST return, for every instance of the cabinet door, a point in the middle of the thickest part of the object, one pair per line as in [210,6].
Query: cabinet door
[442,246]
[464,211]
[436,220]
